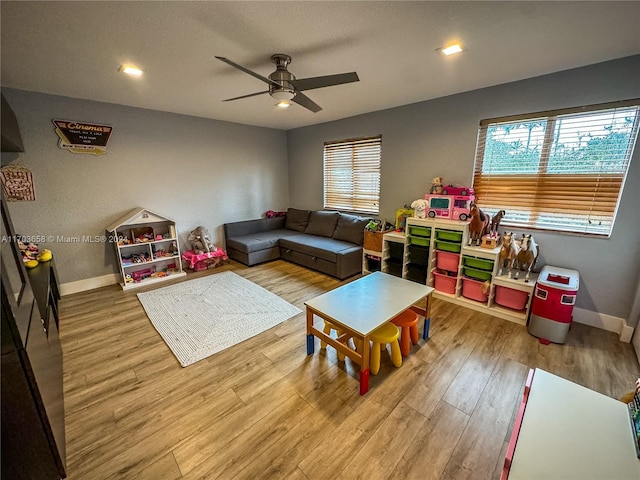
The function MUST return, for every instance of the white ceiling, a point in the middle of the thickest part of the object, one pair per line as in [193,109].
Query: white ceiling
[75,49]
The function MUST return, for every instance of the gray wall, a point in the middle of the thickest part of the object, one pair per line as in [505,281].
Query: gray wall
[438,138]
[193,170]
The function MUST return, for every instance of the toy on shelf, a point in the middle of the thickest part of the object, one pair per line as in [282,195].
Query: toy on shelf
[527,256]
[461,191]
[143,234]
[436,186]
[479,225]
[420,208]
[200,242]
[508,252]
[495,222]
[401,218]
[450,207]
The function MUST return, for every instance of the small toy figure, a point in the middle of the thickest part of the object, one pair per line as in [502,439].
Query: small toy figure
[420,207]
[436,186]
[200,242]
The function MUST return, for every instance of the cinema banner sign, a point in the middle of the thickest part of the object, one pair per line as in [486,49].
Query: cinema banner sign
[82,137]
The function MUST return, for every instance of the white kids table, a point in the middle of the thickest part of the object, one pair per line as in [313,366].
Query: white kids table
[358,308]
[566,431]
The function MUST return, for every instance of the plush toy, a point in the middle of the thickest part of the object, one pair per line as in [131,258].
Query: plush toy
[436,186]
[200,242]
[420,207]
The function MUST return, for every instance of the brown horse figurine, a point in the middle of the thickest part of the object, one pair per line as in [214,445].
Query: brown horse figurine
[495,222]
[479,225]
[508,252]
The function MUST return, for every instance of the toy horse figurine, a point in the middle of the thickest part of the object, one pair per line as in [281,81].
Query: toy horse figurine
[495,222]
[508,252]
[527,256]
[479,225]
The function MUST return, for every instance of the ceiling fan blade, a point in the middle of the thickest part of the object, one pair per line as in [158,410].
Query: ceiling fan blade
[324,81]
[304,101]
[245,96]
[246,70]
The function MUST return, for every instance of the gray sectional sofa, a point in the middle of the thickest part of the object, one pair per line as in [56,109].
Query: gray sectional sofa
[327,241]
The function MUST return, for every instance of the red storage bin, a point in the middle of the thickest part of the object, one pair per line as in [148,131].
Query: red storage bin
[510,298]
[472,289]
[447,261]
[552,305]
[444,283]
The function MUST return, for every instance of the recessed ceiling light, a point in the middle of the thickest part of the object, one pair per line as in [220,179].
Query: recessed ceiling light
[130,70]
[451,49]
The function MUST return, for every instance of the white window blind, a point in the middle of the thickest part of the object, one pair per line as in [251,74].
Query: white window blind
[561,171]
[352,175]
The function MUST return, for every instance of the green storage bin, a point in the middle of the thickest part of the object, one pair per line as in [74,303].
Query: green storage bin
[423,242]
[419,231]
[448,246]
[449,235]
[478,263]
[476,274]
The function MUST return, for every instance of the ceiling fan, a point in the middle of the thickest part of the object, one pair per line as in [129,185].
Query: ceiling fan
[284,87]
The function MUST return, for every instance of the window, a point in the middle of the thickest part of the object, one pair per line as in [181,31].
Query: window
[352,175]
[559,171]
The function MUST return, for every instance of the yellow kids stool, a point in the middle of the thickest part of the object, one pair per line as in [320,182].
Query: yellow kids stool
[387,333]
[408,322]
[328,326]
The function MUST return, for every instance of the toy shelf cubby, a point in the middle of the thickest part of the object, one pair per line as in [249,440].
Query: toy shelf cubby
[467,267]
[147,248]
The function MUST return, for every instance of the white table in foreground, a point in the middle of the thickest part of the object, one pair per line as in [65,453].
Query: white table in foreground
[569,432]
[360,307]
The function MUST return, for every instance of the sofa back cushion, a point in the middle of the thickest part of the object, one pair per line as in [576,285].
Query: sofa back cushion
[322,223]
[297,219]
[350,228]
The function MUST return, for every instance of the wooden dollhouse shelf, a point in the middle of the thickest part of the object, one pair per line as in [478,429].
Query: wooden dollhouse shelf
[142,232]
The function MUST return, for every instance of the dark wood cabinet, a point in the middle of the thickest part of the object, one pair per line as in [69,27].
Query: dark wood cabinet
[33,434]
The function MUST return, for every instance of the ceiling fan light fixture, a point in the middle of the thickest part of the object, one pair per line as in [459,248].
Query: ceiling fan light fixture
[283,95]
[283,104]
[451,49]
[130,70]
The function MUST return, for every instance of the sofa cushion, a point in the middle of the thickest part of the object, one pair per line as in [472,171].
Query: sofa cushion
[322,223]
[316,246]
[254,242]
[350,228]
[297,219]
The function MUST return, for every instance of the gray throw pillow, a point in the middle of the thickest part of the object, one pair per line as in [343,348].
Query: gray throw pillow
[297,219]
[350,228]
[322,223]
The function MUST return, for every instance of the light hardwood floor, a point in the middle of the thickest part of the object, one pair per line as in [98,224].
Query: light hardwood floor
[264,409]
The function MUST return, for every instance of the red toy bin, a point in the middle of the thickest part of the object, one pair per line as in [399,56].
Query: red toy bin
[472,289]
[552,306]
[511,298]
[444,283]
[447,261]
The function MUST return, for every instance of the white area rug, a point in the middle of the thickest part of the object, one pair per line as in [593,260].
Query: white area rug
[200,317]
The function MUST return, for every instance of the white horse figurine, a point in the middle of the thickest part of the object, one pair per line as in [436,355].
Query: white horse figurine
[527,256]
[508,252]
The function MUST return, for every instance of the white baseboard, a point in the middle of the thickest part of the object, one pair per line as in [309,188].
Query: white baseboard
[88,284]
[606,322]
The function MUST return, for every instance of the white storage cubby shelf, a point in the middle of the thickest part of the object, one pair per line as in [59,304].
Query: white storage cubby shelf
[147,248]
[405,255]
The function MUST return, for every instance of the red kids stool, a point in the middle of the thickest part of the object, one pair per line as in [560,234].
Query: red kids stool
[408,322]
